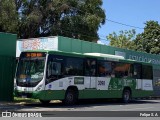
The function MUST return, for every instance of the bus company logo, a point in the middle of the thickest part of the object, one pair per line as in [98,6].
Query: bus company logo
[50,86]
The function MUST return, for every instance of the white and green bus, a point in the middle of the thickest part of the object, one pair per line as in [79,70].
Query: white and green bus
[55,75]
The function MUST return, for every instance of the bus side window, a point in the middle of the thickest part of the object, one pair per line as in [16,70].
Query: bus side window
[73,66]
[130,74]
[119,70]
[113,65]
[53,70]
[147,72]
[122,70]
[90,67]
[137,71]
[104,68]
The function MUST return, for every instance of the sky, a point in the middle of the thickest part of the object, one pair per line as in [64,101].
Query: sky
[130,12]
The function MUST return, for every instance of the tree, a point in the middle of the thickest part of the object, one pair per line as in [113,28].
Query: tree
[8,16]
[72,18]
[123,40]
[149,40]
[39,18]
[84,19]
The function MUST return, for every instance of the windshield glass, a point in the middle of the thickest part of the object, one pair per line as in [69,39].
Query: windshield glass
[30,71]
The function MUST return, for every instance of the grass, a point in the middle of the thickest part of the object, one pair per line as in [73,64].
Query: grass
[24,100]
[18,100]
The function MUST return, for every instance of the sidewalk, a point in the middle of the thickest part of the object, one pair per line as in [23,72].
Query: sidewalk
[6,106]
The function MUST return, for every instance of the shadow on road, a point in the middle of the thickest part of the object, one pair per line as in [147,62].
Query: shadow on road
[81,104]
[90,103]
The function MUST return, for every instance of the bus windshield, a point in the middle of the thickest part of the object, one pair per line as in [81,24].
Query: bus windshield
[30,71]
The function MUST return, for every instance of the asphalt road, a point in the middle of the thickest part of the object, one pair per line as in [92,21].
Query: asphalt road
[101,109]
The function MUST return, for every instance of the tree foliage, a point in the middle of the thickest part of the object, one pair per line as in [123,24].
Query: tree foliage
[149,40]
[8,16]
[122,40]
[71,18]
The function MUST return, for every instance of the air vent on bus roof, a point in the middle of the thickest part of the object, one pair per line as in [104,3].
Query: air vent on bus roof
[105,55]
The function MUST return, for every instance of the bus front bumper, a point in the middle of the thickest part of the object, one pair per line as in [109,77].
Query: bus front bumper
[42,95]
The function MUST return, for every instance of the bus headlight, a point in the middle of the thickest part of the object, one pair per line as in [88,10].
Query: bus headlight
[39,88]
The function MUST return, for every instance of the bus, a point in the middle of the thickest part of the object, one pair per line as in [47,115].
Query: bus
[67,76]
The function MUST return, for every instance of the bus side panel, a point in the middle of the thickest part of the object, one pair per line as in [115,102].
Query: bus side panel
[141,93]
[49,95]
[90,93]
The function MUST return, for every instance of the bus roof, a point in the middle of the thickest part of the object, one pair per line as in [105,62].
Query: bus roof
[92,55]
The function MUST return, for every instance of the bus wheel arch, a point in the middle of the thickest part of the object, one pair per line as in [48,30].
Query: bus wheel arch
[71,95]
[126,94]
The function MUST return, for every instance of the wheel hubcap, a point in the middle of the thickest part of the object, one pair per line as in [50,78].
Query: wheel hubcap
[126,96]
[70,97]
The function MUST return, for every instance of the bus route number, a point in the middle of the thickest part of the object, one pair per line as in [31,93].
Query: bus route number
[101,83]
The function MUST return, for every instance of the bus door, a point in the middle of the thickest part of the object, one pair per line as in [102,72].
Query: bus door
[137,74]
[90,73]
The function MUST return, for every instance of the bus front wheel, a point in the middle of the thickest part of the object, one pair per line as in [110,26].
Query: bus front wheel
[71,97]
[126,96]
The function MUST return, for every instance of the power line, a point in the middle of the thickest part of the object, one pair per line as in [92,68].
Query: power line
[100,36]
[113,21]
[124,24]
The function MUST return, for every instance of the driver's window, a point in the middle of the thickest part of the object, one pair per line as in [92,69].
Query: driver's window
[53,70]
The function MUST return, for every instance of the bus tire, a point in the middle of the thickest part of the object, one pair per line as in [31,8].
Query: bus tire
[126,96]
[71,97]
[45,101]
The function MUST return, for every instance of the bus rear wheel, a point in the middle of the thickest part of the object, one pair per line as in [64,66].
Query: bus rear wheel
[126,97]
[71,97]
[45,101]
